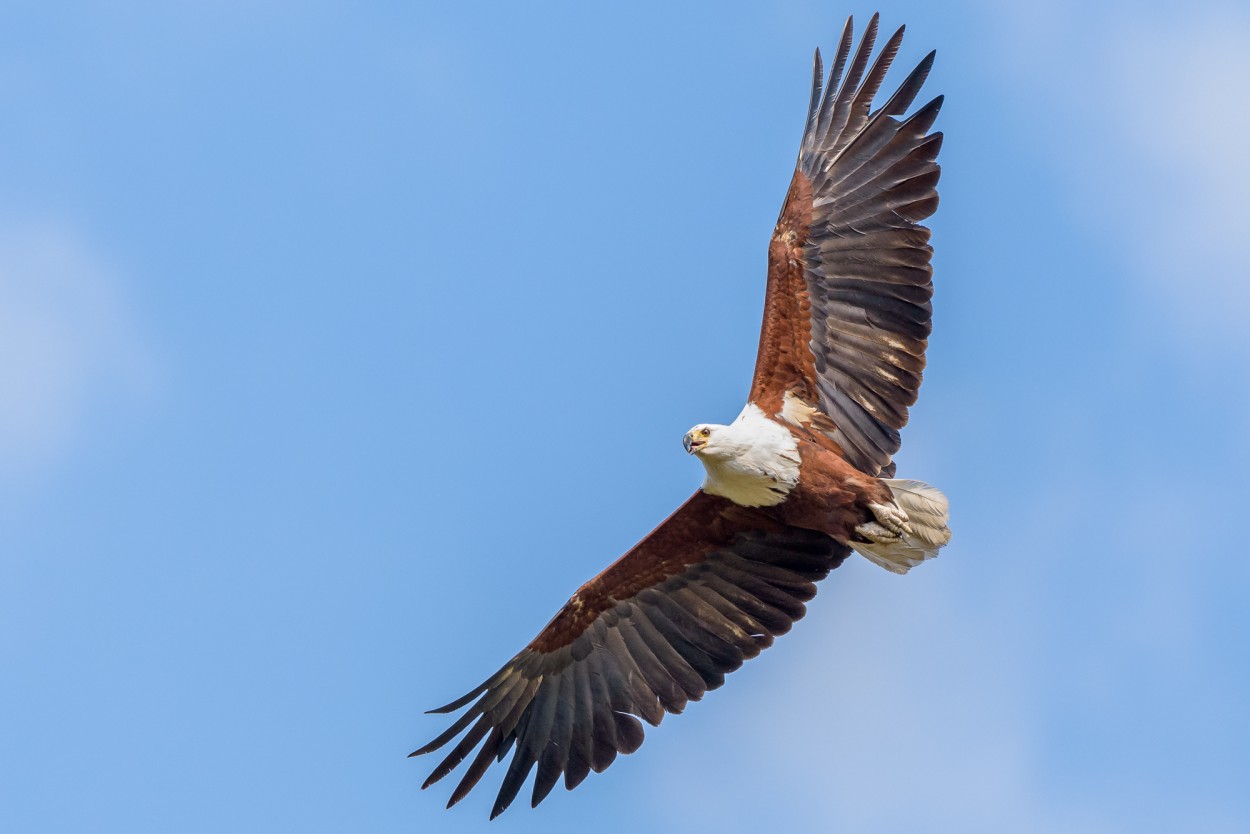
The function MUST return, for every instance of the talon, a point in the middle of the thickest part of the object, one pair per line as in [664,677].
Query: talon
[891,518]
[874,532]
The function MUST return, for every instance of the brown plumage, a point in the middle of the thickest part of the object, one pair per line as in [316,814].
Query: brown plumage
[793,485]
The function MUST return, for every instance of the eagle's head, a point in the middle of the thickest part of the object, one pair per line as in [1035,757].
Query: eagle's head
[698,438]
[754,461]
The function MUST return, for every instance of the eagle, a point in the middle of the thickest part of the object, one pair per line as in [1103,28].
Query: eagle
[802,477]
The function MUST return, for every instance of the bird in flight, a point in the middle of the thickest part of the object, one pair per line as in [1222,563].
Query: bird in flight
[801,478]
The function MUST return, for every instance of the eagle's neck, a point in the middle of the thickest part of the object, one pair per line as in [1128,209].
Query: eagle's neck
[755,461]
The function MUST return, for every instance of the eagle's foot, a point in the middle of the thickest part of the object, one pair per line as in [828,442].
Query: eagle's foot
[891,524]
[875,533]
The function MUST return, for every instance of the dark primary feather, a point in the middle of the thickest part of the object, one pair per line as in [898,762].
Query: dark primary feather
[663,628]
[873,177]
[868,179]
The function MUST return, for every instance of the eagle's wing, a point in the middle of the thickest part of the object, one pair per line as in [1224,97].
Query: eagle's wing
[847,312]
[706,590]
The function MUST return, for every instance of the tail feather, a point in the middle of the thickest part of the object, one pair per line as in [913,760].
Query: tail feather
[928,513]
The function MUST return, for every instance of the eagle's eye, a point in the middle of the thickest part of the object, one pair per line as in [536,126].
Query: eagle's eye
[705,432]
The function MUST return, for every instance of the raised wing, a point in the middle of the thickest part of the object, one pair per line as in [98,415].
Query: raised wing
[847,314]
[707,589]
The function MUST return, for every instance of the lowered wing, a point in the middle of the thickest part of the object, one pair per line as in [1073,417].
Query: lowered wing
[707,589]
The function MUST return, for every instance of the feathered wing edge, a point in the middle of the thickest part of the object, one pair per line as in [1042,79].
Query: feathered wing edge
[664,630]
[867,179]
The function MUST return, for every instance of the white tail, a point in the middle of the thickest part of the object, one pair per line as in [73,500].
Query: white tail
[927,513]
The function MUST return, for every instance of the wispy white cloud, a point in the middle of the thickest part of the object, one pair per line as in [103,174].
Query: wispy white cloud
[1143,111]
[69,344]
[904,724]
[928,729]
[1184,115]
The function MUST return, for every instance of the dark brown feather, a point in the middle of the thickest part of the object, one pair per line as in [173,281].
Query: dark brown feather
[581,743]
[669,693]
[554,759]
[480,763]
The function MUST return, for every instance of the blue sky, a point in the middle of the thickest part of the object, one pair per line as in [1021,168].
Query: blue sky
[340,343]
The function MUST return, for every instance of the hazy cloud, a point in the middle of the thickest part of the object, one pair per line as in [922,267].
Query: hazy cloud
[1144,112]
[68,344]
[1186,121]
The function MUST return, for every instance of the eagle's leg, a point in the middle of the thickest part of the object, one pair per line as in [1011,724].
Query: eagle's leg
[890,526]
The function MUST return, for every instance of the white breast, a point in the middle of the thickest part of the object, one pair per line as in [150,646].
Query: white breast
[753,461]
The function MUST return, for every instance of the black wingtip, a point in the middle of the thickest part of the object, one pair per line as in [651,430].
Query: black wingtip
[458,703]
[468,696]
[453,706]
[813,104]
[435,744]
[874,24]
[926,63]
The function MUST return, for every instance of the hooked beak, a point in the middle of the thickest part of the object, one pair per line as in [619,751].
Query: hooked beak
[692,443]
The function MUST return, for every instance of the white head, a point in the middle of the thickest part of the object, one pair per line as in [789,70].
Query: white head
[750,433]
[704,438]
[753,462]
